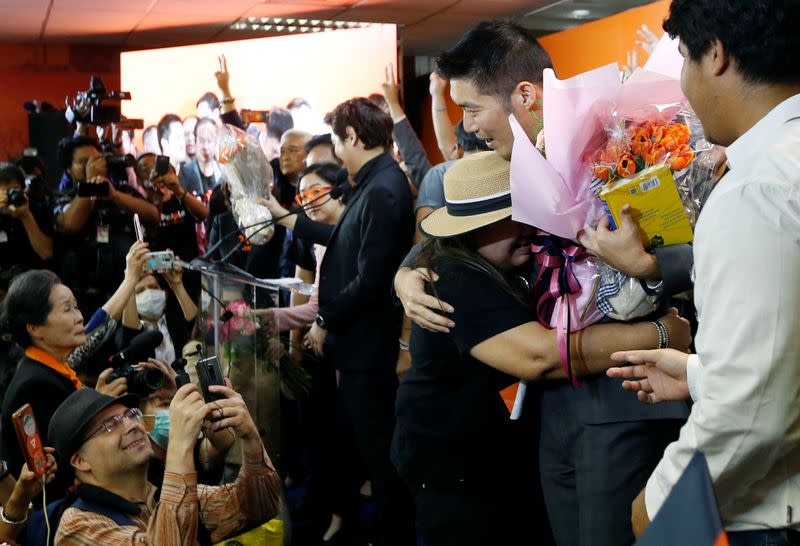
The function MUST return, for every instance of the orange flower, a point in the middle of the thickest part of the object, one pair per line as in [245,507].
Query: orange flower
[682,133]
[657,133]
[626,166]
[640,143]
[656,154]
[681,158]
[602,172]
[610,154]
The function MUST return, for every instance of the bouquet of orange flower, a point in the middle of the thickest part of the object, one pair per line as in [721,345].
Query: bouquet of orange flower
[653,161]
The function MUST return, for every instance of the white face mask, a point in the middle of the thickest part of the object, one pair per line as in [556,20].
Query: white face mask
[150,303]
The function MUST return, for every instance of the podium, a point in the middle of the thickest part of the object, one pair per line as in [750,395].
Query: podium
[234,331]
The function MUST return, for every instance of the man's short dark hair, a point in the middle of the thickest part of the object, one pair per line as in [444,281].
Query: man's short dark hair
[762,35]
[280,121]
[68,146]
[495,56]
[318,140]
[163,126]
[10,173]
[204,121]
[469,142]
[297,102]
[372,125]
[210,99]
[378,99]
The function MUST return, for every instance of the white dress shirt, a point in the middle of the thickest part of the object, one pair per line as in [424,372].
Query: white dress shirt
[746,419]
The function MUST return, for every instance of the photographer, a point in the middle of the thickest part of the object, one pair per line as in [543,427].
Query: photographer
[26,232]
[96,232]
[104,442]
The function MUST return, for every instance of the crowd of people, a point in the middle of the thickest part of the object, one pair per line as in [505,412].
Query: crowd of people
[422,315]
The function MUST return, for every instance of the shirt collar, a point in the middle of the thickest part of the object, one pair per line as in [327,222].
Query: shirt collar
[104,497]
[748,147]
[61,368]
[371,166]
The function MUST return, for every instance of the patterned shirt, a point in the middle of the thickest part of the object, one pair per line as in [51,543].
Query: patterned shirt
[251,500]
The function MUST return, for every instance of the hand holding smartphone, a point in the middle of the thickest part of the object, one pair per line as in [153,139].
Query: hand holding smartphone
[209,373]
[29,440]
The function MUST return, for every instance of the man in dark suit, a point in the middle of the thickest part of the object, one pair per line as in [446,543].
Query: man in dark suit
[358,327]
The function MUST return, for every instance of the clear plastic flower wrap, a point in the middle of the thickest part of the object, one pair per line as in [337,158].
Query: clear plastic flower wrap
[249,177]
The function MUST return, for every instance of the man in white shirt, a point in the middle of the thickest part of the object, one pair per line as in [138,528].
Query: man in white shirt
[742,79]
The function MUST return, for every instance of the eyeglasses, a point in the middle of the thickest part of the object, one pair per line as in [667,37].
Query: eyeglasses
[111,424]
[312,194]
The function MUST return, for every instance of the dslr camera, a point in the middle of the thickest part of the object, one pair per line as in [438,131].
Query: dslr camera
[140,382]
[98,106]
[34,190]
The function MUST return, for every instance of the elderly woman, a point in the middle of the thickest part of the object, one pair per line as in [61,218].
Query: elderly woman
[43,318]
[453,440]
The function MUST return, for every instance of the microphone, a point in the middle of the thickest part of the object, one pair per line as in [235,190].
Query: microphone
[141,348]
[335,193]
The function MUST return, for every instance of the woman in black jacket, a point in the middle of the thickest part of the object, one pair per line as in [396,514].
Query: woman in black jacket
[43,318]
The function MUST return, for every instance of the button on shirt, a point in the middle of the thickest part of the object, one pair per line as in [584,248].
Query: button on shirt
[746,376]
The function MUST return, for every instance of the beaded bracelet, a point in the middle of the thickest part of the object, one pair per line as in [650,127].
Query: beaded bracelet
[663,334]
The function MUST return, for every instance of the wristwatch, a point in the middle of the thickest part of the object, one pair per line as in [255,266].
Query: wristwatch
[319,321]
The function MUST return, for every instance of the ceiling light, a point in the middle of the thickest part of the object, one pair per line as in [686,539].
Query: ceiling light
[291,29]
[304,29]
[302,21]
[267,27]
[251,19]
[277,19]
[581,13]
[279,28]
[290,21]
[314,21]
[255,27]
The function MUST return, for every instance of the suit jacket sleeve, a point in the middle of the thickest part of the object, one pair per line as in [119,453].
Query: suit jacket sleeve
[411,150]
[383,241]
[312,231]
[675,263]
[232,118]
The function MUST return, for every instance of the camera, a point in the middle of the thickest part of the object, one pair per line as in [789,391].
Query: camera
[16,197]
[140,382]
[118,164]
[97,105]
[182,376]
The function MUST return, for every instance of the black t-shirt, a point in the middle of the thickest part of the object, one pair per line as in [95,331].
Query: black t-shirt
[176,230]
[92,262]
[452,423]
[16,252]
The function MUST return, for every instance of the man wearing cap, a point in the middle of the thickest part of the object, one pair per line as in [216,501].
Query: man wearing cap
[104,442]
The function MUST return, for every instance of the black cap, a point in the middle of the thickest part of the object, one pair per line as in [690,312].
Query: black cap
[67,425]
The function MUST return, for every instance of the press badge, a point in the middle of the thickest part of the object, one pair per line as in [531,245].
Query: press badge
[102,234]
[3,237]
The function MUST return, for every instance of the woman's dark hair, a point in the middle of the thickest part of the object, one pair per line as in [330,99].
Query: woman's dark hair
[762,35]
[459,251]
[330,173]
[495,56]
[372,125]
[28,302]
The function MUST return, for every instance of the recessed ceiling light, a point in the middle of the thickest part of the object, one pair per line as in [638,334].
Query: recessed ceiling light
[581,13]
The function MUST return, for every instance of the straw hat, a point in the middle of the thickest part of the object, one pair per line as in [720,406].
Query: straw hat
[477,192]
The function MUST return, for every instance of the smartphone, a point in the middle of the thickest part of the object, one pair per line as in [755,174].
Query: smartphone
[29,440]
[209,373]
[87,189]
[162,165]
[138,228]
[161,260]
[254,116]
